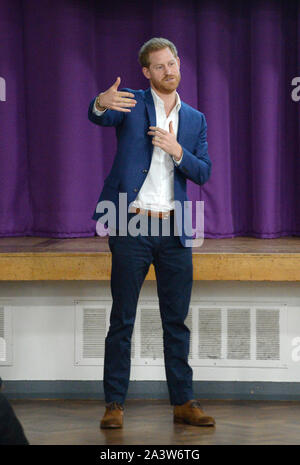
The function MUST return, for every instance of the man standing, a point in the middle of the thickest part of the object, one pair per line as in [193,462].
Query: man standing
[161,143]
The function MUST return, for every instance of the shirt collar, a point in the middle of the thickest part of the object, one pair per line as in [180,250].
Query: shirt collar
[159,101]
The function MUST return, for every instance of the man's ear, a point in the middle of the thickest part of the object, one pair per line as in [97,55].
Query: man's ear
[178,61]
[146,72]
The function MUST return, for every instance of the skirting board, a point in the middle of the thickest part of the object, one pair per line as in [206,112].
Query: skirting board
[65,389]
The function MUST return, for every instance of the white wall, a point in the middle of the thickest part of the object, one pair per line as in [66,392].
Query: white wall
[43,329]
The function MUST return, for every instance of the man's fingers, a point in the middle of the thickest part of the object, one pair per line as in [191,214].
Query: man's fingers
[124,94]
[156,134]
[157,144]
[120,109]
[155,128]
[124,105]
[125,100]
[116,83]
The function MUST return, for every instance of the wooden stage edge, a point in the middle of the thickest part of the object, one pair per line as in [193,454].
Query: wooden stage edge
[238,259]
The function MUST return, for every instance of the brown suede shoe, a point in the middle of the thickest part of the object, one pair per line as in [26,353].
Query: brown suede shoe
[113,417]
[191,413]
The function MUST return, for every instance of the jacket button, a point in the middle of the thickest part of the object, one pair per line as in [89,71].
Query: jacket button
[135,189]
[145,171]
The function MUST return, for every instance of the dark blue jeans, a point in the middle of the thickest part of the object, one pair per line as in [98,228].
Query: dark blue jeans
[131,258]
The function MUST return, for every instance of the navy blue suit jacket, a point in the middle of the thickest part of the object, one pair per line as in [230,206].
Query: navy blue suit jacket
[134,152]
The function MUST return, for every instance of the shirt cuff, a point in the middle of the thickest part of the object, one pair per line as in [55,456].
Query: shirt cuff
[97,112]
[179,161]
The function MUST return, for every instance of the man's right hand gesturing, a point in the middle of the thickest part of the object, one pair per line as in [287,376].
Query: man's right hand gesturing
[115,100]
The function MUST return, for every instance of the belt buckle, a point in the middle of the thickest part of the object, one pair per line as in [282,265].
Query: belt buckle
[134,210]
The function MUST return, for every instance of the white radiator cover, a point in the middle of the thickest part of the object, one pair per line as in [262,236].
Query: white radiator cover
[234,334]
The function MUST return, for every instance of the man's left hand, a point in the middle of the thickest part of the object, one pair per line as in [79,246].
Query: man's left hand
[166,140]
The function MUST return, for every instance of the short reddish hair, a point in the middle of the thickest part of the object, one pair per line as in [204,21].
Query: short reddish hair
[156,43]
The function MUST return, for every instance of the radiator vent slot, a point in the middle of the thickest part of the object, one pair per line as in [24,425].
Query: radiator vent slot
[93,334]
[6,342]
[3,354]
[210,333]
[2,322]
[238,334]
[267,335]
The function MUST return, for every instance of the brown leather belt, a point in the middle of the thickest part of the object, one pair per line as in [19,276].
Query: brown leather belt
[156,214]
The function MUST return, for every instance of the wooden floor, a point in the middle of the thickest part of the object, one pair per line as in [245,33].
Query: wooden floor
[150,422]
[241,259]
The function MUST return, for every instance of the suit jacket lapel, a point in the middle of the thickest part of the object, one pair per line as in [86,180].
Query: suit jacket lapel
[150,107]
[182,124]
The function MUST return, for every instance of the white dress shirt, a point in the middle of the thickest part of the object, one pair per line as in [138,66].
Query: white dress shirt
[157,191]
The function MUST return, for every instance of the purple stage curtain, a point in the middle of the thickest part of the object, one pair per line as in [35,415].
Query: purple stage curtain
[238,59]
